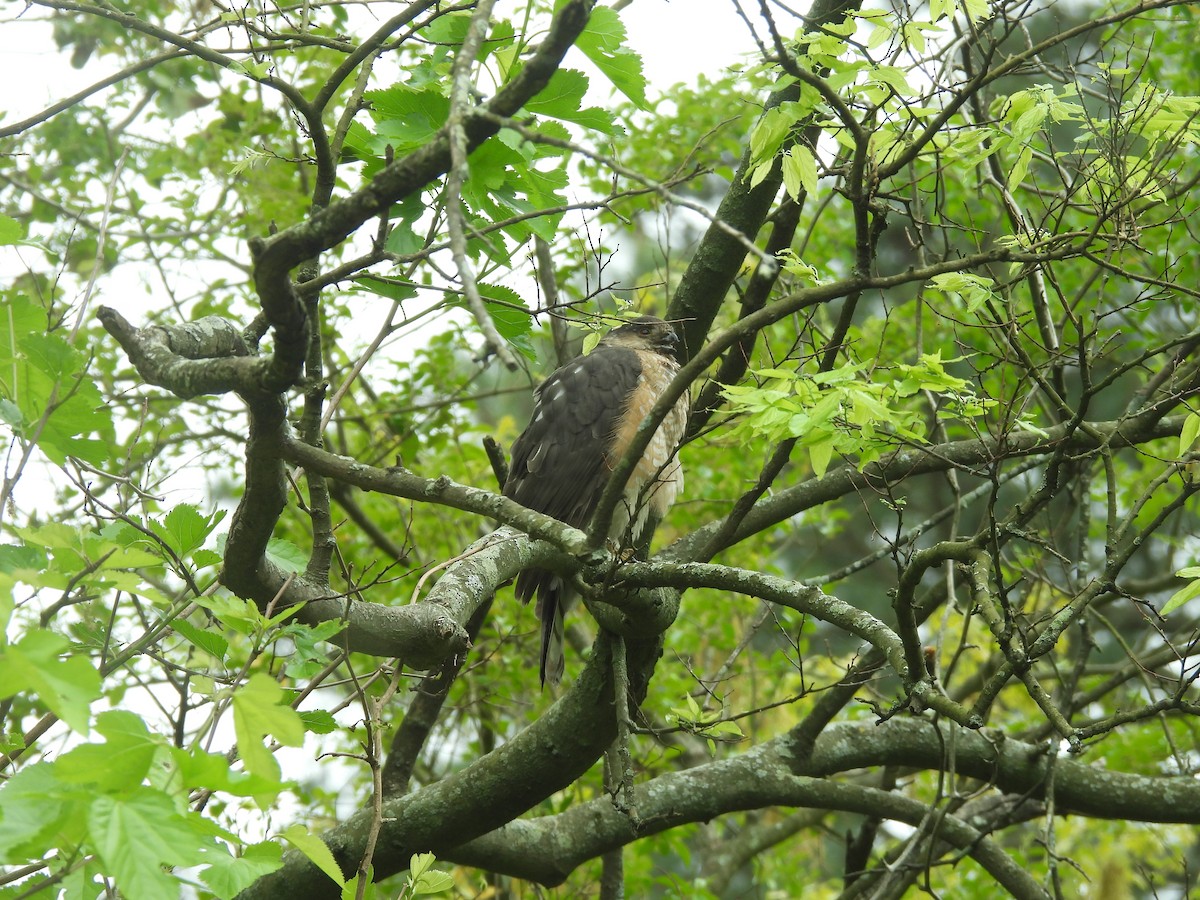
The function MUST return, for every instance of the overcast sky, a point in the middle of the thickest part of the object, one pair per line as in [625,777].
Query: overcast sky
[676,39]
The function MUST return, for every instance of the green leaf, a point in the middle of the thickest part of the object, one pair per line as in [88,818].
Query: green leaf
[46,380]
[821,453]
[36,811]
[1185,593]
[139,832]
[770,132]
[894,78]
[184,529]
[286,555]
[1189,433]
[432,882]
[976,9]
[316,850]
[240,615]
[318,721]
[423,879]
[603,42]
[198,769]
[11,414]
[370,891]
[259,709]
[227,876]
[16,558]
[407,118]
[419,864]
[204,558]
[974,290]
[403,238]
[800,171]
[1020,167]
[121,763]
[388,289]
[11,231]
[512,318]
[211,643]
[35,665]
[562,98]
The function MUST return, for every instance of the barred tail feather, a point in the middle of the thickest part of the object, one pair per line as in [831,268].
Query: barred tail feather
[552,602]
[550,611]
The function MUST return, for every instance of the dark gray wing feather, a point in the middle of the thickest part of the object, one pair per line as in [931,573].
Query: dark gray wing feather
[559,467]
[559,462]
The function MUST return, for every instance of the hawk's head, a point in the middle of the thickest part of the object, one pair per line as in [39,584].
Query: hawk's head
[644,333]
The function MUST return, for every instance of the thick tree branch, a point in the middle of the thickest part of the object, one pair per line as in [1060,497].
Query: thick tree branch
[208,356]
[547,756]
[549,848]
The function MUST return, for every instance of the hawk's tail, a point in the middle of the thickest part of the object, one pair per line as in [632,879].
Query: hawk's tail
[552,599]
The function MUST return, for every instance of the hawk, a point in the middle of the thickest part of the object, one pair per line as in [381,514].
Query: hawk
[584,417]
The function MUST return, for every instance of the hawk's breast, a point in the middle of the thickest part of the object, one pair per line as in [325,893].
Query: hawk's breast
[657,478]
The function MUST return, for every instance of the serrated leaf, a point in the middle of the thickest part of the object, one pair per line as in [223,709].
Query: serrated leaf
[562,99]
[18,557]
[976,9]
[419,864]
[139,832]
[603,42]
[121,763]
[240,615]
[432,882]
[369,891]
[211,643]
[184,528]
[800,171]
[198,769]
[259,710]
[34,807]
[45,379]
[227,876]
[286,555]
[391,291]
[407,118]
[510,316]
[316,850]
[318,721]
[203,558]
[36,665]
[974,290]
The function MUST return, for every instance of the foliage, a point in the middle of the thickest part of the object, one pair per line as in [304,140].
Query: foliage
[925,616]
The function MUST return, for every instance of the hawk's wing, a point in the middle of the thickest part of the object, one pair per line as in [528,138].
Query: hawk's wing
[559,462]
[560,466]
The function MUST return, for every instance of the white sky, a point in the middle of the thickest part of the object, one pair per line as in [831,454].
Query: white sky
[676,40]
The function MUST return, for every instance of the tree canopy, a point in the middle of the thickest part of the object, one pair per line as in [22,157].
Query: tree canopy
[924,619]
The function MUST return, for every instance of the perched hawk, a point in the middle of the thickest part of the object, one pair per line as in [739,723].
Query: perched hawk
[584,417]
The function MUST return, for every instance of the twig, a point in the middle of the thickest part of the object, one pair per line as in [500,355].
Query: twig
[460,96]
